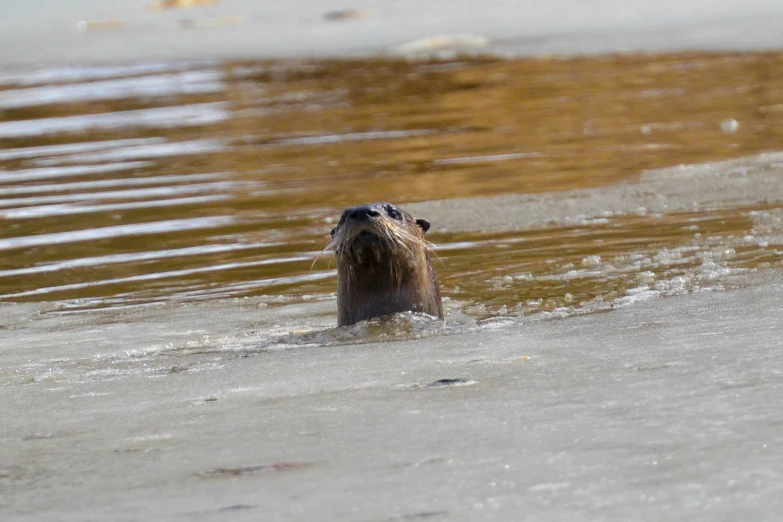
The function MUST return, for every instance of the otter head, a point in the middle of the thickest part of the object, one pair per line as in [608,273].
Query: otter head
[383,265]
[378,233]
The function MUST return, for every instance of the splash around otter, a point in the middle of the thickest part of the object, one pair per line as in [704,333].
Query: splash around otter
[383,264]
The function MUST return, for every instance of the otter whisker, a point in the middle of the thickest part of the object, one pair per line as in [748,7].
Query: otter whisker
[402,239]
[318,255]
[431,249]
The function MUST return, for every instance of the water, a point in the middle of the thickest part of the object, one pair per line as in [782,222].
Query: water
[155,183]
[663,410]
[168,348]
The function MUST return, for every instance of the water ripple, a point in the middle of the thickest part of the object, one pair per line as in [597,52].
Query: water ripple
[187,82]
[175,190]
[86,185]
[70,148]
[87,73]
[186,272]
[158,227]
[66,210]
[60,172]
[160,117]
[157,150]
[135,257]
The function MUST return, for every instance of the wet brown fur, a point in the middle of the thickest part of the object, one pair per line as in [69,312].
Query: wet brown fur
[383,265]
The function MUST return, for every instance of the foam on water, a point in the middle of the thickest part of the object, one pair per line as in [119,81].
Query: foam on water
[395,327]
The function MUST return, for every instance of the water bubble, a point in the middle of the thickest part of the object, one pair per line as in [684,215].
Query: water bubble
[591,261]
[729,126]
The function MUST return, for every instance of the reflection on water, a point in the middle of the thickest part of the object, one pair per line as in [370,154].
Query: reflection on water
[124,186]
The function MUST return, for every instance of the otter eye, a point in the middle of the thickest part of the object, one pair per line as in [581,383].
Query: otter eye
[393,213]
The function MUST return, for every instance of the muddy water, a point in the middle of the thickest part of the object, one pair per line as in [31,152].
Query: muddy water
[126,186]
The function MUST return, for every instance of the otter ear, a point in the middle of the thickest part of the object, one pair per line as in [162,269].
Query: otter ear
[424,224]
[333,231]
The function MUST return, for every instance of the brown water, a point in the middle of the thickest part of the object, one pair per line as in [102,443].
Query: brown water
[163,183]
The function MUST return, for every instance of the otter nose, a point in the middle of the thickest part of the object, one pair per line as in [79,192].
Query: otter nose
[363,212]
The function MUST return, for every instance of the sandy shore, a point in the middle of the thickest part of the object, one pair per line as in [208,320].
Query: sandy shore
[84,31]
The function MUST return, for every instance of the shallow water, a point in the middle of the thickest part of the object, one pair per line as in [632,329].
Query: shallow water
[146,203]
[167,183]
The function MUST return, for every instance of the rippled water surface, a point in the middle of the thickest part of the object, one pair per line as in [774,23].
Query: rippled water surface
[152,183]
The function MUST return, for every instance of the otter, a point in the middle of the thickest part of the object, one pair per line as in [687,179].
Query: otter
[383,264]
